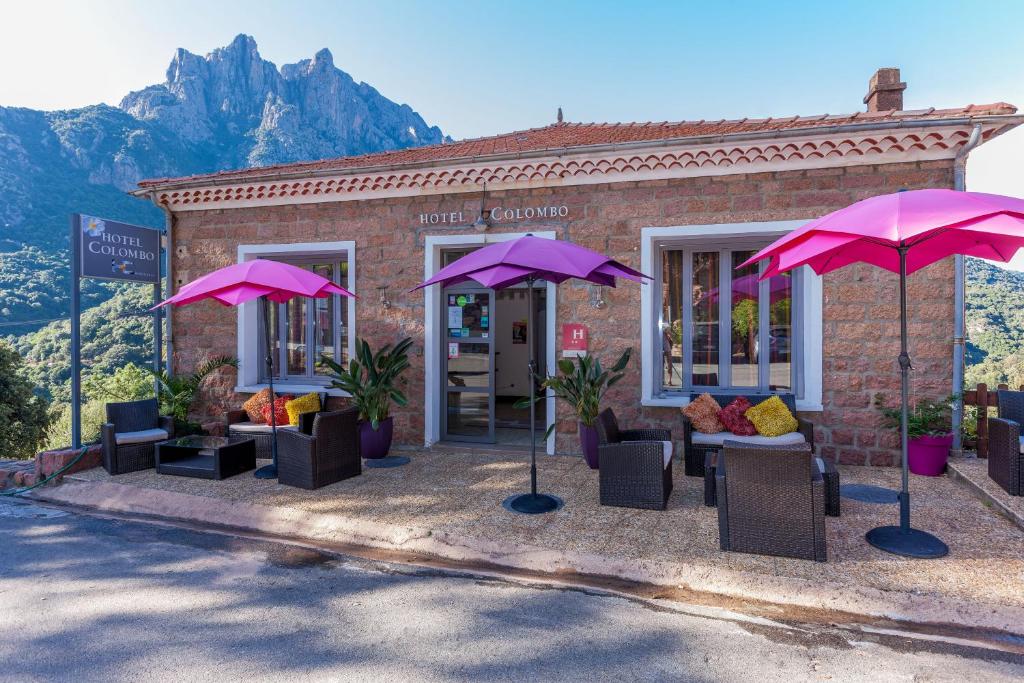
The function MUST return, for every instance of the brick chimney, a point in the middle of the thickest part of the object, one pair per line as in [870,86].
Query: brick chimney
[885,91]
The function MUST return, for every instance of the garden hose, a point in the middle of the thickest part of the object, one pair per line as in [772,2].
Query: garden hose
[45,480]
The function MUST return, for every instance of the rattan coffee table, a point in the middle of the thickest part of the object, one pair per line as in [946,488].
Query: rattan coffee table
[205,457]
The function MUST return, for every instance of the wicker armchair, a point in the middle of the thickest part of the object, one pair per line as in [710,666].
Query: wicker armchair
[771,501]
[1005,460]
[608,431]
[635,474]
[131,433]
[328,454]
[694,454]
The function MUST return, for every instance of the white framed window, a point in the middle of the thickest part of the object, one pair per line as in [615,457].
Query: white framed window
[302,329]
[708,325]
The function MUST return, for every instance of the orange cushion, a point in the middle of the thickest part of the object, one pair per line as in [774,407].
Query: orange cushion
[280,411]
[254,406]
[703,413]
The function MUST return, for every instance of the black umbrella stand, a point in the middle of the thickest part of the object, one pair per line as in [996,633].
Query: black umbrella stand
[903,539]
[269,471]
[532,503]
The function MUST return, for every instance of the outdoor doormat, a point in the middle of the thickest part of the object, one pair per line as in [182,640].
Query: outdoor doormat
[387,461]
[868,493]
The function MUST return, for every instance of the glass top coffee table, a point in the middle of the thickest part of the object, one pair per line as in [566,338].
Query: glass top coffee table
[205,457]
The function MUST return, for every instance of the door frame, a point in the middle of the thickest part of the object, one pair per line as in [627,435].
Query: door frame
[434,345]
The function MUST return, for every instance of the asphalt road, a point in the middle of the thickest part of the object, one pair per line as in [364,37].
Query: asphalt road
[84,598]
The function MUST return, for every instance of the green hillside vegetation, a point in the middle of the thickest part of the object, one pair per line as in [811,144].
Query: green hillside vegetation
[995,324]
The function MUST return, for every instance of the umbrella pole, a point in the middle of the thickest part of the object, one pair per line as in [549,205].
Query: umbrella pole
[903,539]
[269,471]
[532,503]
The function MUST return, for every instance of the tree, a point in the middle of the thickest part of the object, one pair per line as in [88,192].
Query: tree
[23,415]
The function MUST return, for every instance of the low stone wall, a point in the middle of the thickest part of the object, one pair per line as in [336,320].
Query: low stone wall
[19,473]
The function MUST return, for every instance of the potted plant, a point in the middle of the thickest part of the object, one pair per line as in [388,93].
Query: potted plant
[175,394]
[582,385]
[371,380]
[929,433]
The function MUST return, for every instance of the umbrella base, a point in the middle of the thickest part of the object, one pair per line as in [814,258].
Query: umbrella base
[266,472]
[532,504]
[909,543]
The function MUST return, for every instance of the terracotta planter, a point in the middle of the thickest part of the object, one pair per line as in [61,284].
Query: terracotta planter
[375,443]
[588,443]
[926,455]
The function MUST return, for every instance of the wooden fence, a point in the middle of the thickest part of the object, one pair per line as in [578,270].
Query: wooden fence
[982,399]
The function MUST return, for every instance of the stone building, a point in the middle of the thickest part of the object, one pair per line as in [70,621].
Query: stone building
[683,202]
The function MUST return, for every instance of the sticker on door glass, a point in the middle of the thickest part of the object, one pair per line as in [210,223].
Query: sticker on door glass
[455,317]
[465,331]
[451,300]
[483,310]
[461,300]
[483,322]
[453,350]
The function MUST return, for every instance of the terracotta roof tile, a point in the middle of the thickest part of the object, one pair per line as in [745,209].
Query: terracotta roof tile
[561,136]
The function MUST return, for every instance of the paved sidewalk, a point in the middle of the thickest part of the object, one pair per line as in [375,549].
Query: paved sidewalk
[448,504]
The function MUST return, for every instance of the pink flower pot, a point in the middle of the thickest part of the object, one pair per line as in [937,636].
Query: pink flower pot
[926,455]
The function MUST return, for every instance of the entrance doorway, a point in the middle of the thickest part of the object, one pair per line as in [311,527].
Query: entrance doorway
[485,362]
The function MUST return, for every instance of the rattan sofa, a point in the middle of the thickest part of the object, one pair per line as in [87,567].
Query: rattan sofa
[239,428]
[328,454]
[1005,446]
[130,435]
[696,445]
[771,501]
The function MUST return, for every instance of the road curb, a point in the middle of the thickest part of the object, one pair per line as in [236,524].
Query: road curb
[560,564]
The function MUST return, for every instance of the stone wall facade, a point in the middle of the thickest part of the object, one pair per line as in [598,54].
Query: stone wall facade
[861,312]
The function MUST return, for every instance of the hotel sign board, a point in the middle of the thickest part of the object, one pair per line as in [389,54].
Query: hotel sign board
[574,340]
[498,214]
[118,251]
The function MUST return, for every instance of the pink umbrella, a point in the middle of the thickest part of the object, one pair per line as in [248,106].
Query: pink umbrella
[528,259]
[268,281]
[903,232]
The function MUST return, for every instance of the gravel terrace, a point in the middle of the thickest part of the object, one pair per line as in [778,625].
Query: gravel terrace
[460,492]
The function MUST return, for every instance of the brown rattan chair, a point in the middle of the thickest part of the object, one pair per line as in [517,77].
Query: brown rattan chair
[694,454]
[327,455]
[635,474]
[131,433]
[1005,460]
[771,501]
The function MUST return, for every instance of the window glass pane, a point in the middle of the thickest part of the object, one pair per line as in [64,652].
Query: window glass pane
[469,414]
[704,297]
[780,332]
[296,350]
[744,306]
[275,342]
[468,315]
[672,318]
[469,364]
[323,322]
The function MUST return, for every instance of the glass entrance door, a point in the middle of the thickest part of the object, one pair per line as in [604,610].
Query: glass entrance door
[469,364]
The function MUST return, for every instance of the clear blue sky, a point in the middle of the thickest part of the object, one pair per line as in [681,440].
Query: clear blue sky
[476,68]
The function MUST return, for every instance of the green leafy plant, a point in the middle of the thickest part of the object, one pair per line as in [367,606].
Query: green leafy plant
[582,385]
[924,418]
[175,394]
[372,378]
[23,415]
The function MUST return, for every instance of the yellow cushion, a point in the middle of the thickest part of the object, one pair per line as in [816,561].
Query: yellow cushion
[772,418]
[310,403]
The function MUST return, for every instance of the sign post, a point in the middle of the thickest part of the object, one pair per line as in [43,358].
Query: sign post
[112,251]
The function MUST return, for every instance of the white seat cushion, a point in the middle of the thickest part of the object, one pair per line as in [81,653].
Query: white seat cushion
[254,428]
[666,451]
[142,436]
[718,439]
